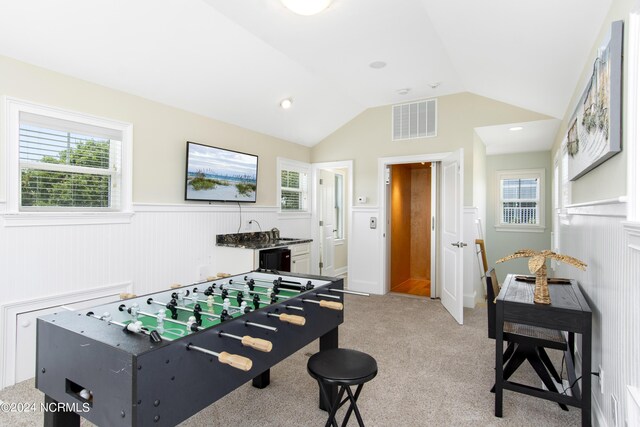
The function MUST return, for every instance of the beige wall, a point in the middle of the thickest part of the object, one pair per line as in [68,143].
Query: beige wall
[368,137]
[160,132]
[502,243]
[609,180]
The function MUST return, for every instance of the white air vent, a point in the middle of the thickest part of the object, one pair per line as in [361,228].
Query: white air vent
[414,120]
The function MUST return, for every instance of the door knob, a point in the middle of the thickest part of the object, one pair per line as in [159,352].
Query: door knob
[459,244]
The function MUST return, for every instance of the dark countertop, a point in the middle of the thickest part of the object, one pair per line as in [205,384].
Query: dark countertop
[257,240]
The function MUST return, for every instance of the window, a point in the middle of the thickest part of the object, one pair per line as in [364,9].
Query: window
[339,209]
[293,186]
[65,162]
[520,200]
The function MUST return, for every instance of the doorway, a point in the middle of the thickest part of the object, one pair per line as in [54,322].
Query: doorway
[410,228]
[447,194]
[331,219]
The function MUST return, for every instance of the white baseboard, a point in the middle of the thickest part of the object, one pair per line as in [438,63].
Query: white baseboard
[469,300]
[597,417]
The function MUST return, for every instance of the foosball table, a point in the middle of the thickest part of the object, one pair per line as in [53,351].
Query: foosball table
[158,359]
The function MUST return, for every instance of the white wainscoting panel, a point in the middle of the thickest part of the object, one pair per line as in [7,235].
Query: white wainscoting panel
[364,262]
[471,274]
[162,245]
[597,234]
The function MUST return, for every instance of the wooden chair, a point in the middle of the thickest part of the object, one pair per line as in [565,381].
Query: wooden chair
[525,342]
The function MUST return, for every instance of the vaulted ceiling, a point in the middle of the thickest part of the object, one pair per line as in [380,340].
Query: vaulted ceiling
[235,60]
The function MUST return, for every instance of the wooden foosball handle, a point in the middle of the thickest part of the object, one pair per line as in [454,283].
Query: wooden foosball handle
[210,278]
[223,275]
[238,362]
[333,305]
[257,343]
[175,286]
[293,319]
[125,295]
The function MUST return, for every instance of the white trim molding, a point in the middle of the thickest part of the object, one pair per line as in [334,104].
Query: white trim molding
[616,207]
[14,216]
[540,202]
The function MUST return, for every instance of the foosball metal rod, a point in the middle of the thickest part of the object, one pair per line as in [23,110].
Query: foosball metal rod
[261,326]
[235,308]
[233,360]
[293,307]
[247,341]
[228,287]
[329,296]
[289,318]
[342,291]
[166,319]
[177,307]
[123,325]
[333,305]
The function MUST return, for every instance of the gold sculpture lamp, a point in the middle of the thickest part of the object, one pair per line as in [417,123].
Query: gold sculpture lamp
[537,266]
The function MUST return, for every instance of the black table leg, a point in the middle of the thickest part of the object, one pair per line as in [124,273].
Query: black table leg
[55,416]
[327,342]
[262,380]
[499,361]
[586,372]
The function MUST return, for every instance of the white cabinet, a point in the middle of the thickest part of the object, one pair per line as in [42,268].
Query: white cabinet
[234,260]
[301,258]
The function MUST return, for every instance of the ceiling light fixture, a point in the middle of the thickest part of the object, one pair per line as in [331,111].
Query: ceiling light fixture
[306,7]
[434,85]
[404,91]
[378,64]
[286,103]
[516,128]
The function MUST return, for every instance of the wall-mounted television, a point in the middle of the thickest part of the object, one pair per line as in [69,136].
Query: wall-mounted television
[217,175]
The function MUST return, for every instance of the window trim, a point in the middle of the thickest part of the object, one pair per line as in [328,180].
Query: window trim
[13,216]
[293,165]
[521,173]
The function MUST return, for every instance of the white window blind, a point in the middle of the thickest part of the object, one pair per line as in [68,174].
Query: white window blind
[293,190]
[519,198]
[66,165]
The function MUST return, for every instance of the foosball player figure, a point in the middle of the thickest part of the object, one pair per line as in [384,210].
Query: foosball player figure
[224,316]
[256,301]
[171,306]
[192,325]
[240,297]
[197,313]
[210,303]
[160,321]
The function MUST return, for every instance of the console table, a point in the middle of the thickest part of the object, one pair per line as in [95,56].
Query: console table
[568,311]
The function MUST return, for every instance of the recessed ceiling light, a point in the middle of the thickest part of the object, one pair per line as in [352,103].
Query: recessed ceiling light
[306,7]
[516,128]
[404,91]
[434,85]
[378,64]
[286,103]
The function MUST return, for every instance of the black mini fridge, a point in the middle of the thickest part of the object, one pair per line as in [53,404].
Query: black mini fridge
[278,259]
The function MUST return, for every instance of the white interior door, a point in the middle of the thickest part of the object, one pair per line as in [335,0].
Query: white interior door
[451,234]
[326,215]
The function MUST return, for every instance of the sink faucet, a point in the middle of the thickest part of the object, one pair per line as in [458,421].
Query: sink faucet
[275,233]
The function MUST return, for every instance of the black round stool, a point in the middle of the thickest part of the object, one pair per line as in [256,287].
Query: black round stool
[341,367]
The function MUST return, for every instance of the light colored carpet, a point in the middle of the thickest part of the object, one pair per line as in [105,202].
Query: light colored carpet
[432,372]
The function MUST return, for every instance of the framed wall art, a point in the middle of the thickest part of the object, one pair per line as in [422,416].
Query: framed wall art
[595,129]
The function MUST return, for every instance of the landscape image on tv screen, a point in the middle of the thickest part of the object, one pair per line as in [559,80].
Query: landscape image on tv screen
[215,174]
